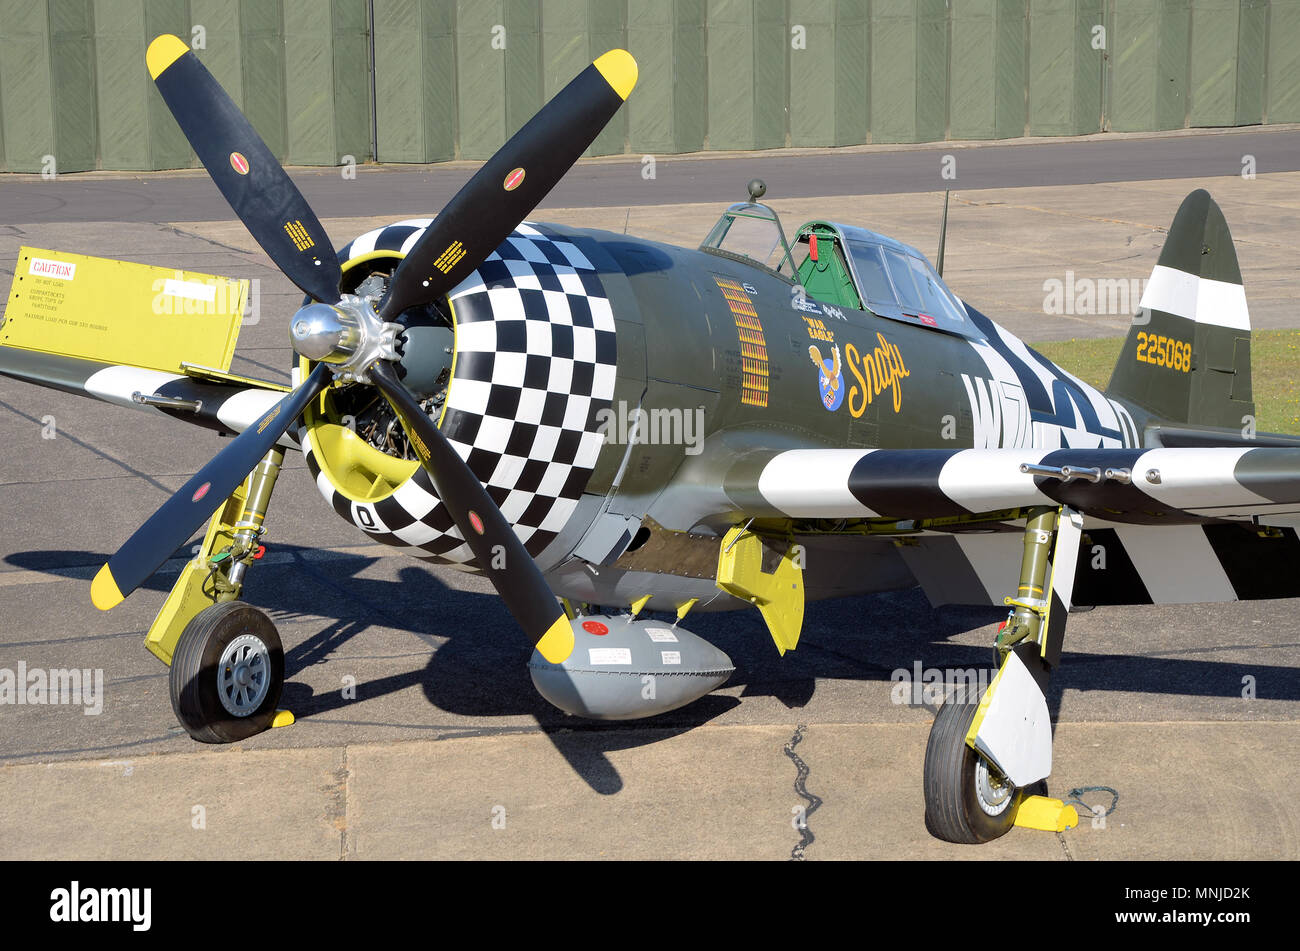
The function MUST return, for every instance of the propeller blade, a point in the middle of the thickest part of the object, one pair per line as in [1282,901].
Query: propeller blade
[502,193]
[258,189]
[195,501]
[519,582]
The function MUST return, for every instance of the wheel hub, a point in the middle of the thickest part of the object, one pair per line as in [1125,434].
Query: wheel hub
[244,675]
[993,791]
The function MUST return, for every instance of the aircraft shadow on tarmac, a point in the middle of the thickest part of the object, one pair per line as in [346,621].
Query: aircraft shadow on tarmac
[478,660]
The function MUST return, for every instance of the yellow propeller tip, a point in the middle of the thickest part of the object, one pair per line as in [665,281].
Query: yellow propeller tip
[620,71]
[557,643]
[164,51]
[104,591]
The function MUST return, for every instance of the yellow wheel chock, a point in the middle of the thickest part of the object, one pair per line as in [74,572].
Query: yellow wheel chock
[1046,814]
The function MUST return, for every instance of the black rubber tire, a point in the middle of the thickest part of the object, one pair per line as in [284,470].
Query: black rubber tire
[952,807]
[193,679]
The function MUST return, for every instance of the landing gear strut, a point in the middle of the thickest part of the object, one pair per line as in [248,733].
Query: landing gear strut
[984,750]
[227,663]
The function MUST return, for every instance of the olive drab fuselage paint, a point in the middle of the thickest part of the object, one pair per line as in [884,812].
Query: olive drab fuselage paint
[831,376]
[702,363]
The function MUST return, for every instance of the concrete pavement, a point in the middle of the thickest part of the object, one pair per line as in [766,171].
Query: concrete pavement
[716,792]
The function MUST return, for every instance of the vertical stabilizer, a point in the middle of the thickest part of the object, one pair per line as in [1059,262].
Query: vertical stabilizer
[1187,356]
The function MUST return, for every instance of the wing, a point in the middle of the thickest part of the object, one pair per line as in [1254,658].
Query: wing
[1160,525]
[1138,486]
[212,400]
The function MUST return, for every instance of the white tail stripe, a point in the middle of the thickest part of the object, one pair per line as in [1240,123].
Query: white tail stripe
[1196,298]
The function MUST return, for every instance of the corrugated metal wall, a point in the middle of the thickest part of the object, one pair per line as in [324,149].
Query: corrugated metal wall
[455,77]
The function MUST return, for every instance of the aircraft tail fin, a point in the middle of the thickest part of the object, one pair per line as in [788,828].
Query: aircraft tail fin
[1187,356]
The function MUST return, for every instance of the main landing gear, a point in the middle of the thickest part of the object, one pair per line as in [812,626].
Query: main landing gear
[967,799]
[985,748]
[226,660]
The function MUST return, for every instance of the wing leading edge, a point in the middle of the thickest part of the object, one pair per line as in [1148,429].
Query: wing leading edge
[1161,486]
[1160,526]
[211,400]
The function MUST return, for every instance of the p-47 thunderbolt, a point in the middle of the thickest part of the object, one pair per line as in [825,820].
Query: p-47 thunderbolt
[614,430]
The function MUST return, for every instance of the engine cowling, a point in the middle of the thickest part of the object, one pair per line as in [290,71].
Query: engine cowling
[532,363]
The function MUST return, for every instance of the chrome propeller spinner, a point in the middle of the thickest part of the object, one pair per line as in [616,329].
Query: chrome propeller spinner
[349,336]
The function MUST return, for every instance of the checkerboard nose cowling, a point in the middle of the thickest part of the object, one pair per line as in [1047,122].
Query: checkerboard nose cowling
[535,364]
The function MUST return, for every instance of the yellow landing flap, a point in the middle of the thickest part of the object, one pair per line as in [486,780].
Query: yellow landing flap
[778,595]
[118,312]
[1046,815]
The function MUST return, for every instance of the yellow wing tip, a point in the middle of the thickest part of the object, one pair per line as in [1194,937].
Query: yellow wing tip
[104,591]
[557,643]
[164,51]
[620,71]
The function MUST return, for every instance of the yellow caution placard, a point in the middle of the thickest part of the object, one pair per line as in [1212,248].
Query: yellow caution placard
[118,312]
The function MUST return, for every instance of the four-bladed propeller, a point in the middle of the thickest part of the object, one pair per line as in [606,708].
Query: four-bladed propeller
[347,336]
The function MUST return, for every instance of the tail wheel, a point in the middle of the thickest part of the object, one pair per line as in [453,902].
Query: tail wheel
[227,673]
[966,799]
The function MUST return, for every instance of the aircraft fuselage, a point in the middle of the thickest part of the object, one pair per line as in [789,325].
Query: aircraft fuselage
[712,358]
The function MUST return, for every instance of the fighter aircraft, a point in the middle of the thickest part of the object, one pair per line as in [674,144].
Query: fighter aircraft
[610,428]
